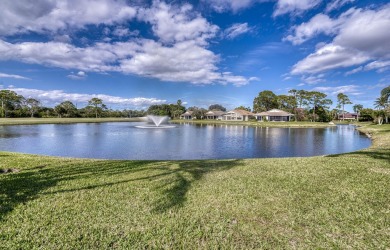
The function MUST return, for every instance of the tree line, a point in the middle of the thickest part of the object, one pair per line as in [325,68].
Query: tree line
[315,106]
[14,105]
[305,105]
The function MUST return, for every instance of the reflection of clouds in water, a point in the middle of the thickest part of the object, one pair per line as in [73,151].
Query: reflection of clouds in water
[185,141]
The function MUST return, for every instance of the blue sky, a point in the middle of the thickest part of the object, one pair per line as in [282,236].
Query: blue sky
[135,53]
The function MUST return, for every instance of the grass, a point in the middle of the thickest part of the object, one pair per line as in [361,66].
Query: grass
[32,121]
[257,124]
[337,201]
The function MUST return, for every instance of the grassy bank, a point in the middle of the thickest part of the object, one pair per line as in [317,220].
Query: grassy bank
[258,124]
[32,121]
[337,201]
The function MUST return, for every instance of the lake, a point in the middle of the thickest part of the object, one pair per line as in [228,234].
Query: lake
[123,140]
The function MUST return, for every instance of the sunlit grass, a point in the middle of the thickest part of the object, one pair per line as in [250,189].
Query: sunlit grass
[337,201]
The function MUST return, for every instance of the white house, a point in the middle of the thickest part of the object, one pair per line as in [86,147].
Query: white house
[237,115]
[274,115]
[215,115]
[187,115]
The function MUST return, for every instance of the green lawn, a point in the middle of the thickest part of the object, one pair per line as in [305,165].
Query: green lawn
[32,121]
[336,202]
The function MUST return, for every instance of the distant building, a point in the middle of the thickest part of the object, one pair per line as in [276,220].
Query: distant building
[274,115]
[187,115]
[237,115]
[215,115]
[348,116]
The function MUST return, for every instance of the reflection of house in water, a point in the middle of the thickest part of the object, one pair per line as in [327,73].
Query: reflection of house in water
[274,115]
[237,115]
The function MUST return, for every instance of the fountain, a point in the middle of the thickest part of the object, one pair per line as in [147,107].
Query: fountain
[157,122]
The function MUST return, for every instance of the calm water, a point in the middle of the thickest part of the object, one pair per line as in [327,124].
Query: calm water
[125,141]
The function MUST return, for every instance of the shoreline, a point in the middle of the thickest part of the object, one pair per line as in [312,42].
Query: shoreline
[234,203]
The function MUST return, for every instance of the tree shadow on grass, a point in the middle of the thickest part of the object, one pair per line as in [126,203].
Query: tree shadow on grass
[379,154]
[173,178]
[174,190]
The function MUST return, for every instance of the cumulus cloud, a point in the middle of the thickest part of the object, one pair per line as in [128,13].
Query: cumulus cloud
[42,16]
[177,23]
[329,57]
[3,75]
[236,30]
[183,62]
[320,23]
[294,6]
[359,38]
[57,96]
[178,53]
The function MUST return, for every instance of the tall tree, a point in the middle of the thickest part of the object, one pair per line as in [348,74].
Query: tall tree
[244,108]
[318,99]
[286,102]
[217,107]
[98,105]
[266,100]
[294,94]
[33,105]
[357,108]
[386,93]
[381,104]
[8,98]
[66,108]
[342,100]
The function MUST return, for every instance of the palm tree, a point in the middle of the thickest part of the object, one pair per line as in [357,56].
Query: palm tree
[342,100]
[386,93]
[356,109]
[381,104]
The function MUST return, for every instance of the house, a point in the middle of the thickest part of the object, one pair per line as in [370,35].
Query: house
[187,115]
[274,115]
[348,116]
[237,115]
[215,115]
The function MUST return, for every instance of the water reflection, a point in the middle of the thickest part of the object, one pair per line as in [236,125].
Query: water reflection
[186,141]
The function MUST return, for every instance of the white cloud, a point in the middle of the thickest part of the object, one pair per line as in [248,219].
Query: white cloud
[77,76]
[43,16]
[320,23]
[180,53]
[381,66]
[183,62]
[329,57]
[313,79]
[337,4]
[345,89]
[230,5]
[177,23]
[124,32]
[3,75]
[56,96]
[359,38]
[294,6]
[236,29]
[354,71]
